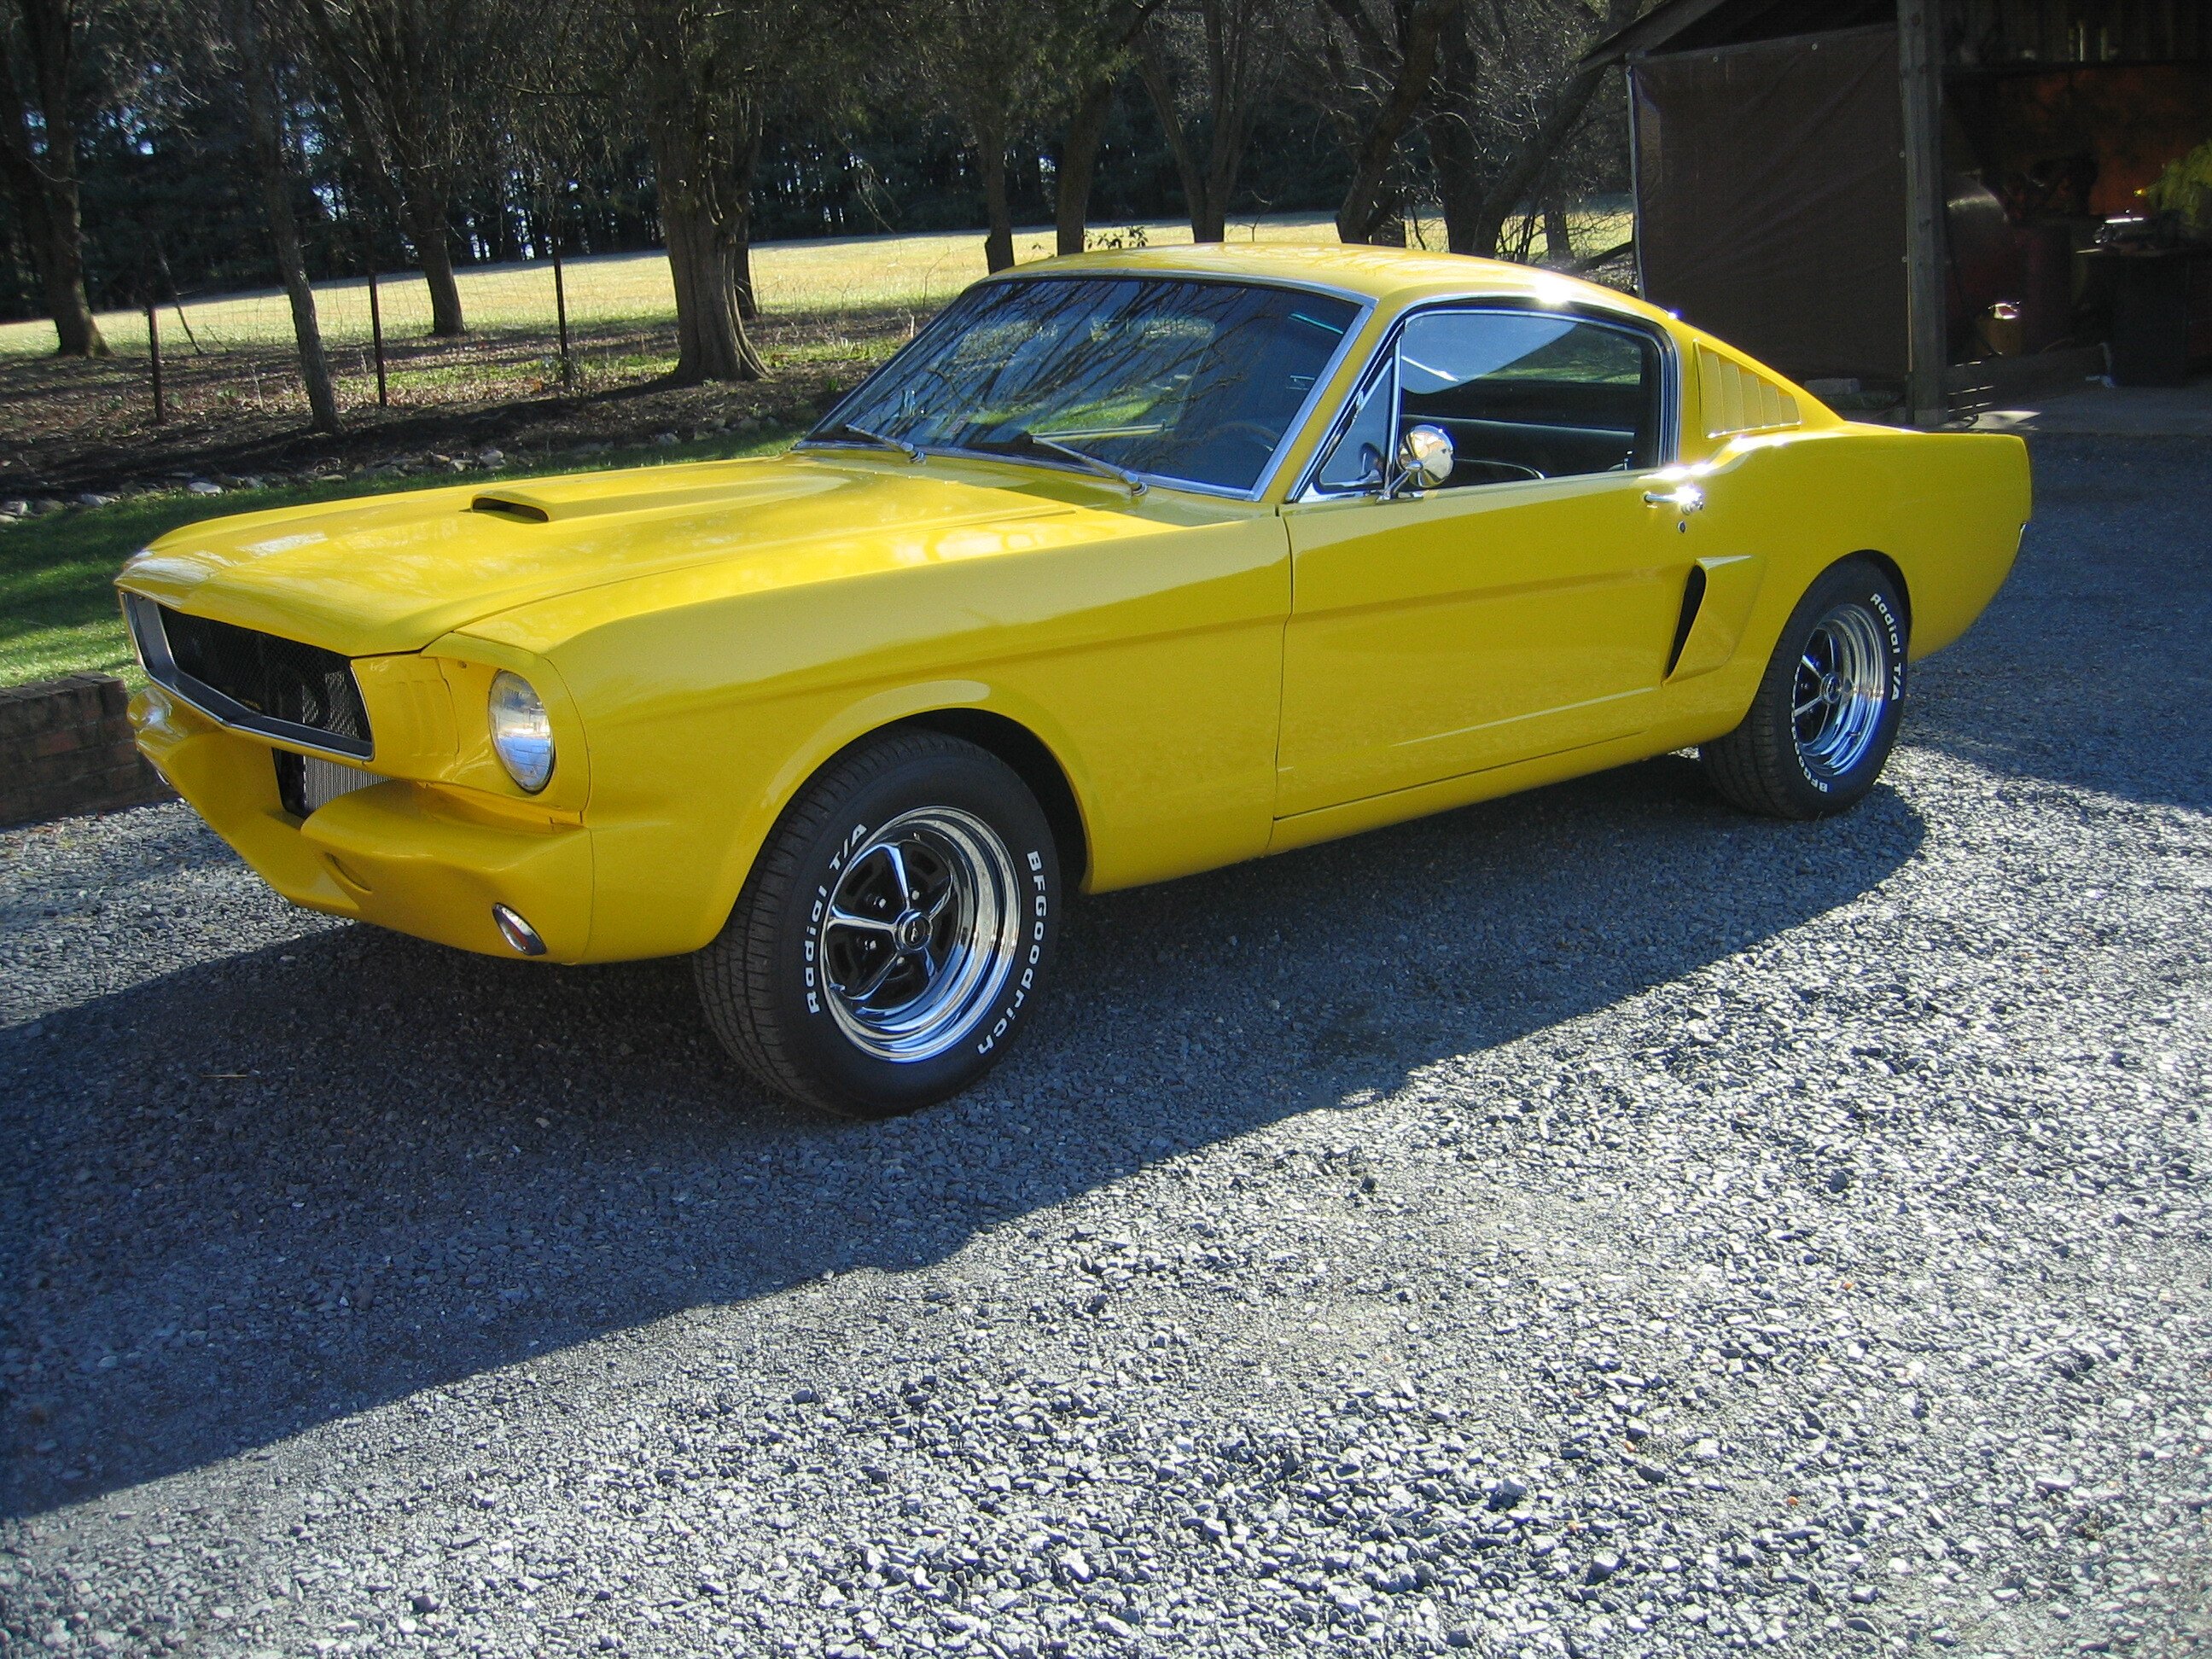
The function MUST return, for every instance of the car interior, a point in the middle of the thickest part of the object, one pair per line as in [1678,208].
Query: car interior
[1525,396]
[1521,395]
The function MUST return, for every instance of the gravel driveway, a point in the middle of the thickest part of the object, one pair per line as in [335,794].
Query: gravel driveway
[1590,1222]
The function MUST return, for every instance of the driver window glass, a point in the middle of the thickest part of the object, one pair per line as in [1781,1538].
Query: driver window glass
[1529,394]
[1360,457]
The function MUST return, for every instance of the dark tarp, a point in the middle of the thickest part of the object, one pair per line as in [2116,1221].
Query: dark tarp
[1771,199]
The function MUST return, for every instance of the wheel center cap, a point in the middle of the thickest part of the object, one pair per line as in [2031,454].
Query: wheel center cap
[911,931]
[1832,687]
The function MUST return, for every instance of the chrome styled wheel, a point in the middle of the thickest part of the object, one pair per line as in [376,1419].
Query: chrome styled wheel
[922,931]
[1840,691]
[896,931]
[1825,715]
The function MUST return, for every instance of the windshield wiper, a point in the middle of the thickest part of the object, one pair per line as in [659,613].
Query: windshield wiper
[846,432]
[1028,443]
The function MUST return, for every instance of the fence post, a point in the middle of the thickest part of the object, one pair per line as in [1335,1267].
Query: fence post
[561,320]
[153,356]
[376,333]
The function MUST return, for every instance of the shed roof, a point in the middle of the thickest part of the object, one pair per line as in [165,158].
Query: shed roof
[1690,24]
[1978,33]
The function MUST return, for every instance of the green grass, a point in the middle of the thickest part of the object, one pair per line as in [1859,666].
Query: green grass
[57,613]
[58,607]
[825,275]
[814,277]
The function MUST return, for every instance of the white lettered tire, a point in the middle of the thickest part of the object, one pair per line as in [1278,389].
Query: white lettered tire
[894,932]
[1820,729]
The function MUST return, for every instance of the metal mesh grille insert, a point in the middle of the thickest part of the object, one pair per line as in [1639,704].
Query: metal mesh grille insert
[307,782]
[280,680]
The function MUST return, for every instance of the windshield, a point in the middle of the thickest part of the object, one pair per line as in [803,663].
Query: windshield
[1197,381]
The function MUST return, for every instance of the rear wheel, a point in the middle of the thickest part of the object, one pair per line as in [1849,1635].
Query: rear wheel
[1825,719]
[895,931]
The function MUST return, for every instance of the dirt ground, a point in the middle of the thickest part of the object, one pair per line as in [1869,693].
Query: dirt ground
[69,428]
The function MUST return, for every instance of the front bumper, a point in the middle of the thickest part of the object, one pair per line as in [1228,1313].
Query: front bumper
[424,859]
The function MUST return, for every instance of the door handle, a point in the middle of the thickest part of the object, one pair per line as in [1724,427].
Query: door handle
[1683,498]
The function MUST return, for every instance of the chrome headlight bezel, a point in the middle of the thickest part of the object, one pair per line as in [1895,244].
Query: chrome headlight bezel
[521,732]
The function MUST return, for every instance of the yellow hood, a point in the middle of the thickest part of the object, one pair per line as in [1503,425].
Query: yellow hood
[393,572]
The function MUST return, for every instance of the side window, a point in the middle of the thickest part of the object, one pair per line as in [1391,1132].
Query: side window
[1530,394]
[1361,455]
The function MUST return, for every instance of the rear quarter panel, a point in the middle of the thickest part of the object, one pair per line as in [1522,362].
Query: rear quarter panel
[1946,509]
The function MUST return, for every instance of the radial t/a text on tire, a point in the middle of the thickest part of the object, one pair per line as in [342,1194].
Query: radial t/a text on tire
[894,932]
[1826,714]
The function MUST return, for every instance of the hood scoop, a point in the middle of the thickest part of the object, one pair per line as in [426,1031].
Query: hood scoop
[671,490]
[511,507]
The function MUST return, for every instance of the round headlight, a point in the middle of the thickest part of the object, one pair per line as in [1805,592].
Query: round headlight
[521,735]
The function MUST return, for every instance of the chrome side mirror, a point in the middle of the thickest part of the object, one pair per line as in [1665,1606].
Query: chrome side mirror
[1425,458]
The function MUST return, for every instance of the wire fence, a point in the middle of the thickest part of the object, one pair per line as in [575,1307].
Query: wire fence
[577,326]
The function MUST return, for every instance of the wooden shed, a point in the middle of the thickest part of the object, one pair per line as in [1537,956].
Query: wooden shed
[1916,194]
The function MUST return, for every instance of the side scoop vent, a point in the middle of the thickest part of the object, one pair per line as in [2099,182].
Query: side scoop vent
[504,507]
[1693,600]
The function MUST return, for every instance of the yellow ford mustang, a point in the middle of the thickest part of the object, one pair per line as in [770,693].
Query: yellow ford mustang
[1128,566]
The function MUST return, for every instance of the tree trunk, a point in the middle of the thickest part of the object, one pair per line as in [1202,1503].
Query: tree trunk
[1459,181]
[742,171]
[283,228]
[426,228]
[741,272]
[711,343]
[1210,223]
[991,157]
[59,252]
[1484,223]
[1370,202]
[1197,198]
[41,180]
[1558,239]
[1079,162]
[703,230]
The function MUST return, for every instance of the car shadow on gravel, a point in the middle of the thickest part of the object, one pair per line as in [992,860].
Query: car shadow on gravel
[284,1185]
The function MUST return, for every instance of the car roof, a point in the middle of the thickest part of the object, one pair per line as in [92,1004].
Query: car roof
[1393,275]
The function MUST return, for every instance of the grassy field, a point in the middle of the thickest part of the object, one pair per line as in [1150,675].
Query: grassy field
[832,310]
[817,278]
[845,274]
[58,606]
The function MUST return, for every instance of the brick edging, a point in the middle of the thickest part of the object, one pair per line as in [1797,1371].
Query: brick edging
[65,747]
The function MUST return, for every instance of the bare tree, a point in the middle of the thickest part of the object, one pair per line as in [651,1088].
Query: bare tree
[43,93]
[253,50]
[708,73]
[1205,63]
[991,66]
[1100,56]
[417,83]
[1512,91]
[1369,67]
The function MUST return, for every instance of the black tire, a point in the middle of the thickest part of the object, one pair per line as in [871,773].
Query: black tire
[1790,759]
[770,982]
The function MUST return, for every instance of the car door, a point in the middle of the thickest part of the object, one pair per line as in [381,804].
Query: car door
[1526,605]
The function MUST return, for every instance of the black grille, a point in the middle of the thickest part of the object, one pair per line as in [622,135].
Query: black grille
[277,686]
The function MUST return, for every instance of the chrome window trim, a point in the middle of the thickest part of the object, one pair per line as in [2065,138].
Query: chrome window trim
[151,642]
[1363,308]
[1670,386]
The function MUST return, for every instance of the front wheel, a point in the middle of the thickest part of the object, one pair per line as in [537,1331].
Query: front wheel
[895,931]
[1825,718]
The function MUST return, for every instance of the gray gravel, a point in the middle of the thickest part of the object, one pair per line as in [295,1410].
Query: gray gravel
[1593,1223]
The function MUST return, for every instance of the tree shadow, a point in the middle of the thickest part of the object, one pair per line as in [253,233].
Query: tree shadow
[2088,669]
[281,1185]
